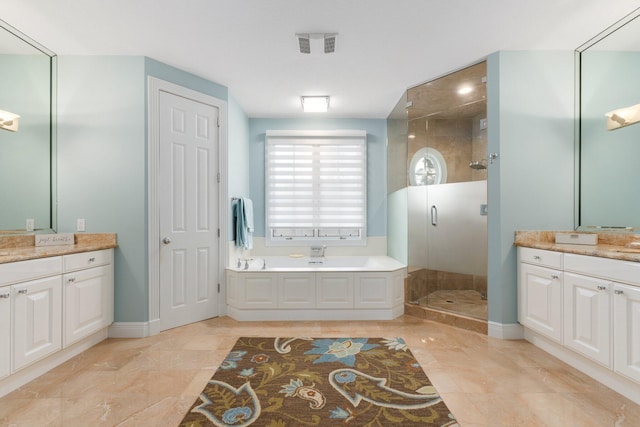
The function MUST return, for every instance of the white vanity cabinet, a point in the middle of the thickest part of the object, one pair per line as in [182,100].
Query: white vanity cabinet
[540,291]
[626,309]
[37,320]
[5,332]
[88,294]
[598,316]
[587,316]
[52,309]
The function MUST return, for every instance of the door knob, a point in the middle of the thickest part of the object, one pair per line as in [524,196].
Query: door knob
[166,240]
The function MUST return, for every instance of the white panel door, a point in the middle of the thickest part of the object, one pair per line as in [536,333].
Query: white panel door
[5,331]
[587,316]
[37,320]
[188,205]
[626,303]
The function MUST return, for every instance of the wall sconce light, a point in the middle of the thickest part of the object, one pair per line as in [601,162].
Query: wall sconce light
[9,121]
[622,117]
[315,104]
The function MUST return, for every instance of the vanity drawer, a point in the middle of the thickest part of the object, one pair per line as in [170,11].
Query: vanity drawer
[540,257]
[22,271]
[84,260]
[605,268]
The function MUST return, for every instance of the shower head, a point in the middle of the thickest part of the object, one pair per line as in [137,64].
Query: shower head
[478,165]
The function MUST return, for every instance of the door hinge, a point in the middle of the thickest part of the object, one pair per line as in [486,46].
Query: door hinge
[218,121]
[218,287]
[218,232]
[218,177]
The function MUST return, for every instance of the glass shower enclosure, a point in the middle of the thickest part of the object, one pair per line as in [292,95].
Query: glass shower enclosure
[446,184]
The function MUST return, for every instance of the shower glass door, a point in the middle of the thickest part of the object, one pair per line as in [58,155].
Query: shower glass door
[447,193]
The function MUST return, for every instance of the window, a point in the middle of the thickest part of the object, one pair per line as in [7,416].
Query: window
[315,187]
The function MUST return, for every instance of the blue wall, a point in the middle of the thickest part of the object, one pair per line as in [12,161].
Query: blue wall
[531,184]
[101,164]
[102,159]
[376,163]
[238,155]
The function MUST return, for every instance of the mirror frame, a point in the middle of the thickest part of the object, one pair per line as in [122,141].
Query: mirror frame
[53,96]
[578,120]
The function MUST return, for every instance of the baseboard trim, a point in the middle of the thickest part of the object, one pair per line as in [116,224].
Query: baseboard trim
[129,330]
[505,331]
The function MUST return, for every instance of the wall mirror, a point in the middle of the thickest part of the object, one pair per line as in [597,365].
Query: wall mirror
[609,173]
[27,155]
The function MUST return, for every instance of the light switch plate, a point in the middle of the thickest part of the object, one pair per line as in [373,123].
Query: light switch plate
[80,225]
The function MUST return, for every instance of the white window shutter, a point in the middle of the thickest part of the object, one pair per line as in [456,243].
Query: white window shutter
[316,185]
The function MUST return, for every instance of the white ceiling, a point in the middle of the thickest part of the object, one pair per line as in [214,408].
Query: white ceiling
[383,46]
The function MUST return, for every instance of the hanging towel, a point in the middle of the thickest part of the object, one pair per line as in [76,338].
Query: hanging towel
[243,215]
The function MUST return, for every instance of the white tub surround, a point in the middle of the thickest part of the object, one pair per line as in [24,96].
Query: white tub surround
[316,288]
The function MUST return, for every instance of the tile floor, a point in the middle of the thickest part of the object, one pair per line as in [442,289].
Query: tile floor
[153,381]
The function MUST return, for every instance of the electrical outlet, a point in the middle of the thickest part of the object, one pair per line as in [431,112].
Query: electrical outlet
[80,225]
[31,224]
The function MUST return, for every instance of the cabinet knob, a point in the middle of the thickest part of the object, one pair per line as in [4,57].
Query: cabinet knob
[618,292]
[22,291]
[537,257]
[602,287]
[4,296]
[92,259]
[71,279]
[555,276]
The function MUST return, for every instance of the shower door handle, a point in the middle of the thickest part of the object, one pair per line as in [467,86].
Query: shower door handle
[434,215]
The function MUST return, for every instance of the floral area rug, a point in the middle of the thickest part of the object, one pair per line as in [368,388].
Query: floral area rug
[281,382]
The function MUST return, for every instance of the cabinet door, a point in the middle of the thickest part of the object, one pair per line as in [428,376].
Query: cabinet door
[87,303]
[626,321]
[540,300]
[5,331]
[334,290]
[37,320]
[587,316]
[372,290]
[297,290]
[257,290]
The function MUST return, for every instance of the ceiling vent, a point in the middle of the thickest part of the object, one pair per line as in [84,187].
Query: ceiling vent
[314,43]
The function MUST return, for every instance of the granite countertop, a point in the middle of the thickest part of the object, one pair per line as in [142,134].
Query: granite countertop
[610,245]
[21,248]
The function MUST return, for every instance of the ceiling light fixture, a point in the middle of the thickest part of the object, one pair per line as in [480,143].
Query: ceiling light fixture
[315,104]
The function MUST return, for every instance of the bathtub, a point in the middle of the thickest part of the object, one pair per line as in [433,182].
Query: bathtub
[310,288]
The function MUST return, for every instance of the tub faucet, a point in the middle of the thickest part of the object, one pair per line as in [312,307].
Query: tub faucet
[318,251]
